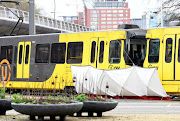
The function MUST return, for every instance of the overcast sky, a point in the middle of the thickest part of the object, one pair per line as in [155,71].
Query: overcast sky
[69,8]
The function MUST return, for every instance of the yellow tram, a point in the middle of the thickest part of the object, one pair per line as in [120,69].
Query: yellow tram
[44,61]
[163,52]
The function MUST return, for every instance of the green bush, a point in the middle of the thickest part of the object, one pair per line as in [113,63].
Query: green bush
[17,98]
[45,103]
[81,98]
[2,93]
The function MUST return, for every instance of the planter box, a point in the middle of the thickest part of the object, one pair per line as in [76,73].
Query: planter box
[97,107]
[51,110]
[5,104]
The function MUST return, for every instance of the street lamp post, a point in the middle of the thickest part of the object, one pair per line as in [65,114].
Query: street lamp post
[31,18]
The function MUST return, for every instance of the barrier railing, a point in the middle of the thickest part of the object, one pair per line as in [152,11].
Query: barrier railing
[42,20]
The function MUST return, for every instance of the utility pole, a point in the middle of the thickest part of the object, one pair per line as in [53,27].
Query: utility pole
[161,13]
[54,13]
[32,29]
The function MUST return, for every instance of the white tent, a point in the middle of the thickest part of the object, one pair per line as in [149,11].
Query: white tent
[121,82]
[92,77]
[151,79]
[78,74]
[132,81]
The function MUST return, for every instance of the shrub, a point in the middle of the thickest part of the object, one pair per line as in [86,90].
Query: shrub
[81,98]
[2,93]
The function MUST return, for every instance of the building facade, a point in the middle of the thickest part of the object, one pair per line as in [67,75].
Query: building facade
[137,21]
[106,14]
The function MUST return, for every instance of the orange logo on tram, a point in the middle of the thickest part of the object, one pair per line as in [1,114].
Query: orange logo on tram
[4,71]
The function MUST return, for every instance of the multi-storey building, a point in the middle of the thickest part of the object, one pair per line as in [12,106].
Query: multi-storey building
[137,21]
[106,14]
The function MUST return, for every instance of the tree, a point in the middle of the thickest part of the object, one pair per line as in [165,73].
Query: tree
[24,5]
[172,10]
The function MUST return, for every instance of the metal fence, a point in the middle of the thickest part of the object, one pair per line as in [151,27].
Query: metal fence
[42,20]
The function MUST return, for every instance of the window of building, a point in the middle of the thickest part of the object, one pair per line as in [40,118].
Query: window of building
[103,18]
[109,18]
[94,11]
[109,26]
[108,11]
[6,53]
[103,11]
[93,27]
[27,54]
[94,19]
[75,52]
[115,22]
[58,52]
[168,54]
[94,15]
[115,18]
[126,11]
[114,11]
[115,51]
[93,51]
[115,14]
[103,26]
[153,56]
[101,52]
[120,22]
[103,22]
[120,11]
[93,23]
[109,15]
[109,22]
[120,15]
[115,26]
[103,15]
[42,53]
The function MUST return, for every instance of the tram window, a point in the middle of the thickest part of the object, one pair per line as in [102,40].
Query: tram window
[179,51]
[42,53]
[74,52]
[27,54]
[6,53]
[20,54]
[93,51]
[168,54]
[58,51]
[115,51]
[15,54]
[153,56]
[101,52]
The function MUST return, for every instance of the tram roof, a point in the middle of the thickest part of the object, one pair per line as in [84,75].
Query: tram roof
[132,31]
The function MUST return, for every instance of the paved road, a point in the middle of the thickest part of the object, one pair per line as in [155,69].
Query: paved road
[146,107]
[140,107]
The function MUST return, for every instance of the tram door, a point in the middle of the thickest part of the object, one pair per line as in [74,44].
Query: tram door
[23,59]
[177,58]
[168,58]
[97,52]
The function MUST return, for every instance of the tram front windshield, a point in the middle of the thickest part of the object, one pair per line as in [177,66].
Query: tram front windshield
[135,51]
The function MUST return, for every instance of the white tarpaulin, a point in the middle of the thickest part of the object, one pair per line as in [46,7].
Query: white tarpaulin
[151,79]
[78,74]
[122,82]
[132,81]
